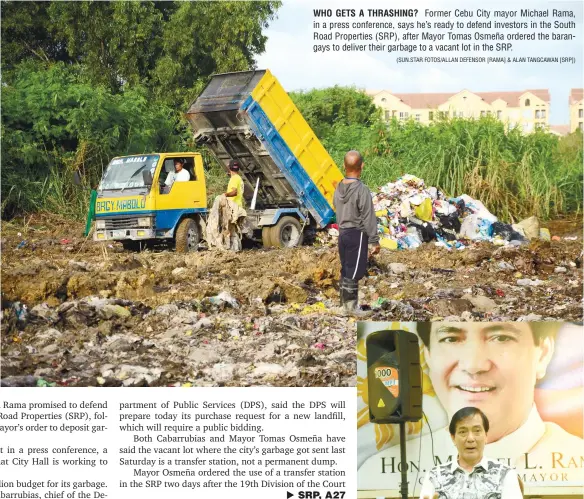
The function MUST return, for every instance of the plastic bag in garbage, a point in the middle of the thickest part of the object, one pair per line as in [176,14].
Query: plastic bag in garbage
[475,207]
[416,199]
[424,230]
[475,228]
[405,210]
[386,242]
[424,210]
[443,207]
[530,227]
[410,241]
[223,298]
[506,232]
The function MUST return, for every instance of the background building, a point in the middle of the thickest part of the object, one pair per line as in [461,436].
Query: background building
[576,109]
[528,109]
[560,130]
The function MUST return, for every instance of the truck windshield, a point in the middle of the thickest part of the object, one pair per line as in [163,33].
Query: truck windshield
[126,173]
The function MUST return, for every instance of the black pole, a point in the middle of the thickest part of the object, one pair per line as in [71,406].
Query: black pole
[404,464]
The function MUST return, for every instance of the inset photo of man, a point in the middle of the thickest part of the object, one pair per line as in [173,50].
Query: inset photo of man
[525,378]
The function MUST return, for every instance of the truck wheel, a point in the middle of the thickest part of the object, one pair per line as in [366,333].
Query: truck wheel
[287,233]
[187,236]
[267,237]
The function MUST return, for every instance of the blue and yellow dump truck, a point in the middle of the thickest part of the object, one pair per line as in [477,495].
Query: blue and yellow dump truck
[246,116]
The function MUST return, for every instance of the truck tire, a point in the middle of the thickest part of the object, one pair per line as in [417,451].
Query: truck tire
[287,233]
[187,236]
[267,237]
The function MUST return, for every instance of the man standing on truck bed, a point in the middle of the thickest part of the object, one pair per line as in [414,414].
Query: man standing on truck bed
[235,186]
[357,227]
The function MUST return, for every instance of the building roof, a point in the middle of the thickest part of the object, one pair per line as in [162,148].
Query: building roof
[576,95]
[423,101]
[560,129]
[433,100]
[512,98]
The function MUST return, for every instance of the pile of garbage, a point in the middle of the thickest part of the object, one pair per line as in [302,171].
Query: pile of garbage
[96,341]
[409,213]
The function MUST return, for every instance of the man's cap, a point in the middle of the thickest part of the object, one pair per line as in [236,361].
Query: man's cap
[234,165]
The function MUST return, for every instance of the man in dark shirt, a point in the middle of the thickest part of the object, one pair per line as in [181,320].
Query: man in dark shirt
[357,229]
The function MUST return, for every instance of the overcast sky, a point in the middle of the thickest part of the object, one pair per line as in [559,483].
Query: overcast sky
[290,56]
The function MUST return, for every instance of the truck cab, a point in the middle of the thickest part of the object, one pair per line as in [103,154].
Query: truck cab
[138,201]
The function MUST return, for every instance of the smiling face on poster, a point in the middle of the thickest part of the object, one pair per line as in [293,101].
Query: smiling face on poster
[525,377]
[488,366]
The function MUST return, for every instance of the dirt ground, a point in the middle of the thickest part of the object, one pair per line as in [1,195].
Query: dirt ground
[79,313]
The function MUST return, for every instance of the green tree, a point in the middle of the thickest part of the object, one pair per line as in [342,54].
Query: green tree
[26,34]
[202,38]
[167,46]
[117,42]
[54,123]
[323,108]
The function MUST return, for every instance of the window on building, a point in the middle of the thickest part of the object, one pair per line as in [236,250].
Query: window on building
[527,103]
[403,115]
[543,113]
[499,115]
[489,113]
[387,115]
[418,117]
[383,99]
[430,115]
[580,126]
[483,114]
[537,114]
[580,113]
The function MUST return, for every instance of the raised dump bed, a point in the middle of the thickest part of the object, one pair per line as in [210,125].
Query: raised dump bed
[248,116]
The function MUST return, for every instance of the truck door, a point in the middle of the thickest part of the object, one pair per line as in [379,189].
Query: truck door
[177,198]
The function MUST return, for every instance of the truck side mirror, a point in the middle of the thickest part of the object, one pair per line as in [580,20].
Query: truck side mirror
[77,178]
[147,177]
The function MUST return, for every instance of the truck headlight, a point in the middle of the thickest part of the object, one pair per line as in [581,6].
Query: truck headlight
[144,222]
[100,224]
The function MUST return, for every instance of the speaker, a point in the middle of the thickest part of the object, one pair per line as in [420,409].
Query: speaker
[394,377]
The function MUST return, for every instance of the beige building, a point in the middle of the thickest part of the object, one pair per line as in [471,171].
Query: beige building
[576,109]
[528,109]
[560,130]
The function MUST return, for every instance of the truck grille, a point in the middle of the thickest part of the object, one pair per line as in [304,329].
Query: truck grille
[121,223]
